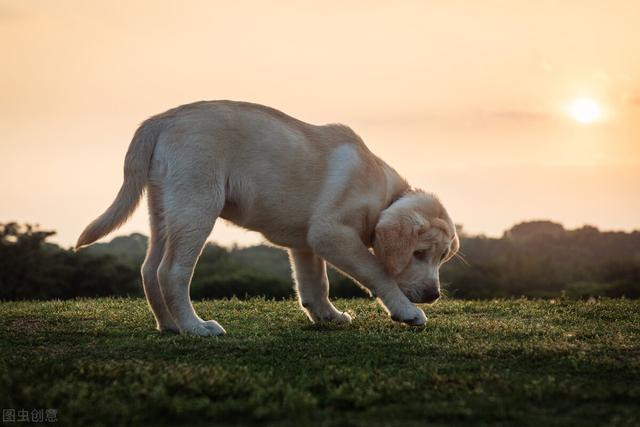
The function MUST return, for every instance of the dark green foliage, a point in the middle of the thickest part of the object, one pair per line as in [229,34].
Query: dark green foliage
[542,259]
[240,284]
[32,269]
[516,362]
[536,259]
[263,260]
[125,248]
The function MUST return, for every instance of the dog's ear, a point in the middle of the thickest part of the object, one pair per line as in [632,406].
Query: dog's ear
[396,238]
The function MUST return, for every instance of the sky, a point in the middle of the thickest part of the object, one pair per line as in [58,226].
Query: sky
[473,100]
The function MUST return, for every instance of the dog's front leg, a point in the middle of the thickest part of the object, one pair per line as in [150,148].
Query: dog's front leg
[341,247]
[312,285]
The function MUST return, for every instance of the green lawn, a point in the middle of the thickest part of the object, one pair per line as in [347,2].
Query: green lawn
[100,362]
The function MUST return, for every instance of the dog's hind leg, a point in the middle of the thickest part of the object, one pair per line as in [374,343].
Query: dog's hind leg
[191,208]
[164,321]
[312,284]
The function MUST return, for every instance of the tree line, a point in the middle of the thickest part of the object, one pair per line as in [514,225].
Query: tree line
[539,259]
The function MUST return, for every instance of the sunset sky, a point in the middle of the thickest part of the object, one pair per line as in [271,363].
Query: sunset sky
[510,111]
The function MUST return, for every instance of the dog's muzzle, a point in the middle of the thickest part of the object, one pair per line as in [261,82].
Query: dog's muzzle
[427,296]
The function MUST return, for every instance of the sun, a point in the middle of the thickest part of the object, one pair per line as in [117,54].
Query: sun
[585,110]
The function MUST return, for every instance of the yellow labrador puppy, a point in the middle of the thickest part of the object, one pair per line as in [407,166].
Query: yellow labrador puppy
[316,190]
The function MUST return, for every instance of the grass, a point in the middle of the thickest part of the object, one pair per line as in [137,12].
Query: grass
[519,362]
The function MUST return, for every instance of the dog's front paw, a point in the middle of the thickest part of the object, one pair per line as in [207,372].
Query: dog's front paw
[209,328]
[409,314]
[326,314]
[214,327]
[341,318]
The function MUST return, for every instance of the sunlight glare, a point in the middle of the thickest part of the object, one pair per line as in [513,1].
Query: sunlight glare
[585,110]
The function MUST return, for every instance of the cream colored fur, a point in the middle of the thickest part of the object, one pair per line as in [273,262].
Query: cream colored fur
[316,190]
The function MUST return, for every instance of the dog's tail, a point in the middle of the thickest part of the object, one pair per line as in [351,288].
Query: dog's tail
[136,170]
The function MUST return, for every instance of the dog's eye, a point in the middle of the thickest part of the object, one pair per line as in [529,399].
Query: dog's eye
[421,255]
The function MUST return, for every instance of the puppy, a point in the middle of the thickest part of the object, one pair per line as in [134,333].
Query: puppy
[316,190]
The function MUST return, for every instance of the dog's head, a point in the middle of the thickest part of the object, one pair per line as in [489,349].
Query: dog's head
[413,238]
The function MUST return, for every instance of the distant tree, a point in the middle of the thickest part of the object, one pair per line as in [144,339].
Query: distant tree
[534,229]
[132,248]
[537,259]
[22,257]
[542,259]
[30,268]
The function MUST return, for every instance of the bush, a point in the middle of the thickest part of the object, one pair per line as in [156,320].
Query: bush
[241,285]
[538,259]
[32,269]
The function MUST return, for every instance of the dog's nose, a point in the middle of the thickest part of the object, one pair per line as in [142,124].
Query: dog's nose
[430,295]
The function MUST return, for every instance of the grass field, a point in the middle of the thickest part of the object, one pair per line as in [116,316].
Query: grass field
[99,362]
